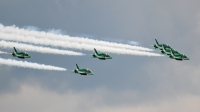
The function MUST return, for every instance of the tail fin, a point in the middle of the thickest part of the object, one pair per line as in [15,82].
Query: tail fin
[156,41]
[95,51]
[15,49]
[77,66]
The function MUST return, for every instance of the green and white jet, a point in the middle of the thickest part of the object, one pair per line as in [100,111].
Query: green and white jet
[83,71]
[178,56]
[20,54]
[166,49]
[101,56]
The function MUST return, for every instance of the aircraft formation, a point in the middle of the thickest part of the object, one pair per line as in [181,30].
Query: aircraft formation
[168,50]
[164,49]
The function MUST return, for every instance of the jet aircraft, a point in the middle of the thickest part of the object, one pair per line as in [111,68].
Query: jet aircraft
[101,56]
[83,71]
[168,50]
[178,56]
[20,54]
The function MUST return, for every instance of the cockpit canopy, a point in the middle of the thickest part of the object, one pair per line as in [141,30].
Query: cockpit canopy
[106,54]
[166,45]
[25,53]
[88,70]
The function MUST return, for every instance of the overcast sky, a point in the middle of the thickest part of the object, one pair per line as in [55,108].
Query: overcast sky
[125,83]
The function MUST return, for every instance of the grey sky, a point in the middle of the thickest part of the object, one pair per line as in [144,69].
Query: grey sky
[126,83]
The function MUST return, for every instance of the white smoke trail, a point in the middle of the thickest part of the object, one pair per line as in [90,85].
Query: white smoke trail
[74,45]
[26,47]
[16,30]
[26,64]
[1,52]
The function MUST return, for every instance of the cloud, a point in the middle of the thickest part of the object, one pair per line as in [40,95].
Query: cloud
[36,99]
[157,84]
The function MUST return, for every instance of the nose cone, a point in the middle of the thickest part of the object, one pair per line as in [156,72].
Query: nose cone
[186,58]
[91,73]
[110,57]
[29,56]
